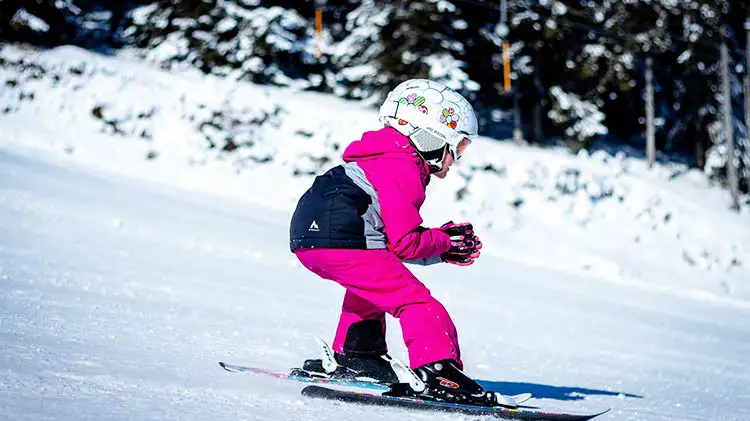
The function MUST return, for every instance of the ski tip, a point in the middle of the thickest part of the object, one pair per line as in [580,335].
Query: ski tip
[223,365]
[521,397]
[511,401]
[592,416]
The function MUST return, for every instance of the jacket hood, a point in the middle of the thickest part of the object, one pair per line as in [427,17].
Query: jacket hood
[385,143]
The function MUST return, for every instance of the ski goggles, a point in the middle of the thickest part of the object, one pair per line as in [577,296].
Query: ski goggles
[458,150]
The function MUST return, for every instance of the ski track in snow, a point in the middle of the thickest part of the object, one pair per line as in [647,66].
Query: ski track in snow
[118,298]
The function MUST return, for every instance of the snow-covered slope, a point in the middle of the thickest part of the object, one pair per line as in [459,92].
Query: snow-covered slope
[125,278]
[118,298]
[601,215]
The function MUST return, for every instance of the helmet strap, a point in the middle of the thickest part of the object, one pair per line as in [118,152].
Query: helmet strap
[433,159]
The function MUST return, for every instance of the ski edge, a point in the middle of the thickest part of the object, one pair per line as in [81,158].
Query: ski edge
[314,391]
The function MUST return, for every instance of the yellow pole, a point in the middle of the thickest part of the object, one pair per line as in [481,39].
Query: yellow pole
[318,28]
[506,65]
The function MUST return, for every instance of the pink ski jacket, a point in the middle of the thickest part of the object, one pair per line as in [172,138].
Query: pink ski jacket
[371,202]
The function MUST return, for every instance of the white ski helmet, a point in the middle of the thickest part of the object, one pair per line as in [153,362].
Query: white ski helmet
[432,116]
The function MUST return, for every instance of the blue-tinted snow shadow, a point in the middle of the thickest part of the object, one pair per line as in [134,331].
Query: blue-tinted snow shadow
[543,391]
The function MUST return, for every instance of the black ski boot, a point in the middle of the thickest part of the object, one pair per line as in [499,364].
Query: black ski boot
[365,368]
[364,357]
[445,382]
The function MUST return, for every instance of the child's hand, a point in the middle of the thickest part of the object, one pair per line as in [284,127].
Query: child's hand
[464,244]
[453,230]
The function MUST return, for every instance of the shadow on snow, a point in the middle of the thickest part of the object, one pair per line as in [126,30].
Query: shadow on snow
[543,391]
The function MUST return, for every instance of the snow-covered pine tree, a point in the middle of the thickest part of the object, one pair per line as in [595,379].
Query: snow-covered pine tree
[240,39]
[390,41]
[565,65]
[38,22]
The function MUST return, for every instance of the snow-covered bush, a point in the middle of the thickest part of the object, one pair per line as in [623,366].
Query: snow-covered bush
[717,157]
[227,38]
[581,119]
[40,22]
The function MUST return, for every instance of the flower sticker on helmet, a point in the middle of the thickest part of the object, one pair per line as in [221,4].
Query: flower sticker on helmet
[449,117]
[412,99]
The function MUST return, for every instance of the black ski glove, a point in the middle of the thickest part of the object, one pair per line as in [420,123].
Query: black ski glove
[464,244]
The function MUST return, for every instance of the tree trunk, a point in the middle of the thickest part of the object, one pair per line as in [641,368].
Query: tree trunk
[517,129]
[650,132]
[538,96]
[700,144]
[728,126]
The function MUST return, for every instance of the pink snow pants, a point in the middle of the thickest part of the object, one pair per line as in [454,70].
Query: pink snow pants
[377,282]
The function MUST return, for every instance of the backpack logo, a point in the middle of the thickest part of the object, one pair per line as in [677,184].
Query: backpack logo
[447,383]
[314,227]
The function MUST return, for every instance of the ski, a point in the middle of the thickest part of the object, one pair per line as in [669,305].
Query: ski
[300,377]
[519,413]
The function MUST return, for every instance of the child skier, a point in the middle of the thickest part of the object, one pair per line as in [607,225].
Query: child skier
[360,221]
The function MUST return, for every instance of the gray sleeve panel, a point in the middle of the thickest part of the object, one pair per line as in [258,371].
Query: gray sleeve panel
[374,236]
[427,261]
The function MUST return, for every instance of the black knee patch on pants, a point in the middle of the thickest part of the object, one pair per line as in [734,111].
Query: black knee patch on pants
[366,337]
